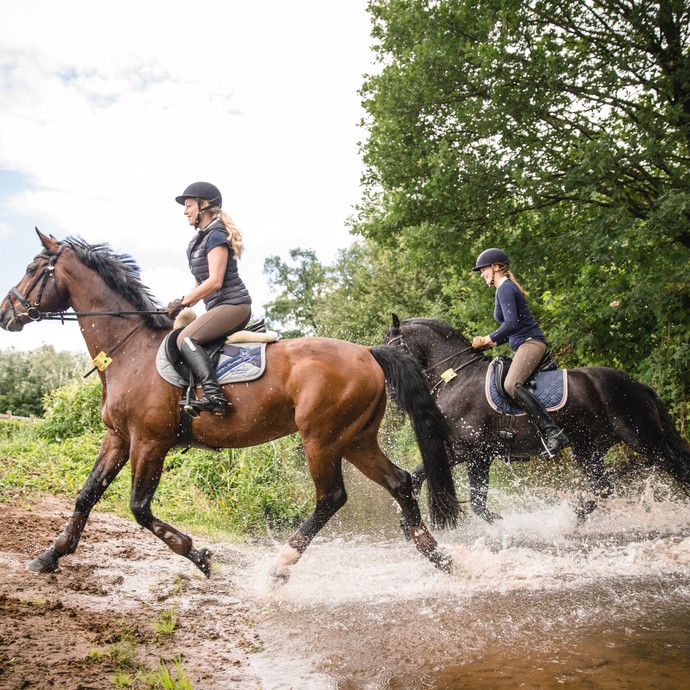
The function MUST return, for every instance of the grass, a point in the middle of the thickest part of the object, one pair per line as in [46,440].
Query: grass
[165,625]
[231,492]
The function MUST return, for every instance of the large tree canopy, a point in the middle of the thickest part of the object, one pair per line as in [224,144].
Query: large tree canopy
[558,130]
[486,111]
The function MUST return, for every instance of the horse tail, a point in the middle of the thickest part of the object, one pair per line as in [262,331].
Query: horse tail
[407,382]
[677,457]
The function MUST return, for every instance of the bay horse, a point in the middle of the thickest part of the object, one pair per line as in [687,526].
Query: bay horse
[604,407]
[332,392]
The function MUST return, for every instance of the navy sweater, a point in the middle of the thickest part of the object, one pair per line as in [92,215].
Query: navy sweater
[513,315]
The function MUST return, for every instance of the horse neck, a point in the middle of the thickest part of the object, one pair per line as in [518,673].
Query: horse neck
[102,333]
[439,349]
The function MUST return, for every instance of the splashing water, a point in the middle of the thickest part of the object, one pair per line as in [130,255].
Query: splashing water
[534,600]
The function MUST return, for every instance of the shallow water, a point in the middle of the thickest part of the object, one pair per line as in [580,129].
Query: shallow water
[534,600]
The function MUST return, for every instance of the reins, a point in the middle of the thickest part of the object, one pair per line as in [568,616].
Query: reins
[33,312]
[64,316]
[430,369]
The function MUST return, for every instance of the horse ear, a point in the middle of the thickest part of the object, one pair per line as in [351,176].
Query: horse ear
[48,241]
[396,321]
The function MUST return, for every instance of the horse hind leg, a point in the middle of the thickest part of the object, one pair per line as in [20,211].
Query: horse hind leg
[374,464]
[111,459]
[330,497]
[591,462]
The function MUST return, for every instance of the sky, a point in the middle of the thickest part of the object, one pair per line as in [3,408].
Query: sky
[108,110]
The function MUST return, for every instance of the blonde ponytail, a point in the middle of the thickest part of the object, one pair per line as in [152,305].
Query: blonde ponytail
[510,275]
[235,234]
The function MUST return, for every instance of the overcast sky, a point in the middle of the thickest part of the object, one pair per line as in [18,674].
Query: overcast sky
[110,109]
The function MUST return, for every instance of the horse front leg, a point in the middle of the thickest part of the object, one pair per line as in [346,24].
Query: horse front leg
[147,466]
[478,476]
[111,459]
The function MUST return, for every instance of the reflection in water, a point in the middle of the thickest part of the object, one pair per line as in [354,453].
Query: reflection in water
[535,601]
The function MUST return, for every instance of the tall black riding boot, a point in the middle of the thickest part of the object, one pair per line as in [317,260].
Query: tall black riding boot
[553,436]
[199,363]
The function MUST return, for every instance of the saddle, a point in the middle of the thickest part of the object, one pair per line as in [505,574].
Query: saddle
[502,365]
[549,385]
[237,357]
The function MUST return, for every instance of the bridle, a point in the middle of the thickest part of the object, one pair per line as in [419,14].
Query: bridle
[34,312]
[399,341]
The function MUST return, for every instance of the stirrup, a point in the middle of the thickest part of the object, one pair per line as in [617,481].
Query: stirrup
[561,441]
[205,404]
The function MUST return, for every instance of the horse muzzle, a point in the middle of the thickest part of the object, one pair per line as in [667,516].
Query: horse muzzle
[11,321]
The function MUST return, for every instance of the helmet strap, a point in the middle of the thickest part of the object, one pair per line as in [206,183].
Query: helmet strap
[198,212]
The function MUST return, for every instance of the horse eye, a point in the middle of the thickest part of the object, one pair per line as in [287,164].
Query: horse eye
[30,269]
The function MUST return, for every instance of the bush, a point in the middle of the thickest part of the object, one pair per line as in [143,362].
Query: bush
[73,410]
[242,491]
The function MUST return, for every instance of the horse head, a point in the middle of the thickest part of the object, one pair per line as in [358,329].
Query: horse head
[72,273]
[37,292]
[428,340]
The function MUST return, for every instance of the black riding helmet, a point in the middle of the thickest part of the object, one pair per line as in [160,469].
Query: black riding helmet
[491,256]
[201,191]
[204,191]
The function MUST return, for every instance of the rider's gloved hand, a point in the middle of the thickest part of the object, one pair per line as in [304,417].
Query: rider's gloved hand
[174,308]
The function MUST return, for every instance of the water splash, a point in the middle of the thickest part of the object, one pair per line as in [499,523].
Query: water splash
[535,579]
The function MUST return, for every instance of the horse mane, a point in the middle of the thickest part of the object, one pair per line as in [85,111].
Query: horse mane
[121,274]
[442,328]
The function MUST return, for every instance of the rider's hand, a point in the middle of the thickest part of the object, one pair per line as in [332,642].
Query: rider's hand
[174,308]
[482,342]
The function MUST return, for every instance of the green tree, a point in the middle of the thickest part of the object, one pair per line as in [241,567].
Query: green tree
[26,377]
[300,287]
[559,131]
[370,283]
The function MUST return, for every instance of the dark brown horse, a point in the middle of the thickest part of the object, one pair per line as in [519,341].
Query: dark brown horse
[604,407]
[332,392]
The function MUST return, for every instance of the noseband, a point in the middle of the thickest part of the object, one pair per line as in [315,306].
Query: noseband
[33,311]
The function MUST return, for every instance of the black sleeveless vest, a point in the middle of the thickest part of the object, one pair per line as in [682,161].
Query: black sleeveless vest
[233,290]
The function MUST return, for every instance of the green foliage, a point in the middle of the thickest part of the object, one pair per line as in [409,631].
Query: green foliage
[559,131]
[300,289]
[73,410]
[166,624]
[165,680]
[237,491]
[26,377]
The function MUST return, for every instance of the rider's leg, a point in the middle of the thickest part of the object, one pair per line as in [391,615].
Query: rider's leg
[219,321]
[526,358]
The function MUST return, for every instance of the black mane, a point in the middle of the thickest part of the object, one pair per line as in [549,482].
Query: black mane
[443,329]
[120,273]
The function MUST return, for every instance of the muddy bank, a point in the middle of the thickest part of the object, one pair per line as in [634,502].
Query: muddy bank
[76,629]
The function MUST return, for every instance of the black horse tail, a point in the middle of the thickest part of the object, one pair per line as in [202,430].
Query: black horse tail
[677,456]
[406,380]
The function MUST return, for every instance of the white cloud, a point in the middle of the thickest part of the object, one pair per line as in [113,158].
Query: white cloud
[112,109]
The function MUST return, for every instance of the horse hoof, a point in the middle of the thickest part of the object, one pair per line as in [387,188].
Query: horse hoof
[279,577]
[442,561]
[45,563]
[202,560]
[488,515]
[584,509]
